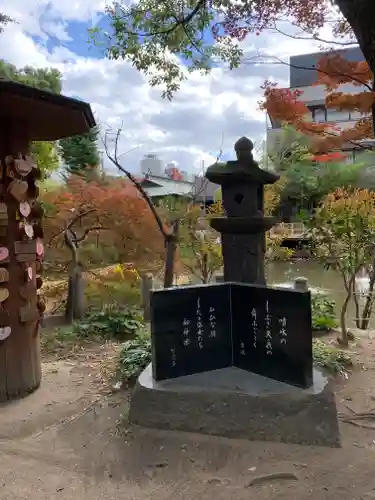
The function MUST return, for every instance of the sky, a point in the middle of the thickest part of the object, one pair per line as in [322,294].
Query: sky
[208,114]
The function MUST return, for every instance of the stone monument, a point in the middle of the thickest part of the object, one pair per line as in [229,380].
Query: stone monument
[244,226]
[235,358]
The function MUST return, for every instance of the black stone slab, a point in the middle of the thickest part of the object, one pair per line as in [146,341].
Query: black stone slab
[259,329]
[191,330]
[272,334]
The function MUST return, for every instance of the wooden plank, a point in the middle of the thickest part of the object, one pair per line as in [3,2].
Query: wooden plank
[25,257]
[25,247]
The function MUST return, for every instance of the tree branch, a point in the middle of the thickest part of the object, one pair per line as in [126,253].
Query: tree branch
[277,60]
[179,22]
[114,158]
[312,37]
[87,231]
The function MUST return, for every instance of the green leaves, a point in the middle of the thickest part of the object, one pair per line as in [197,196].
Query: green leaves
[323,312]
[110,323]
[156,36]
[46,156]
[80,153]
[135,355]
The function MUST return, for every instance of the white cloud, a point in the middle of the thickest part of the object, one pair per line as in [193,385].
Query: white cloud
[208,114]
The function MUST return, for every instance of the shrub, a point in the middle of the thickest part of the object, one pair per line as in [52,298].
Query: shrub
[110,323]
[323,312]
[330,358]
[135,355]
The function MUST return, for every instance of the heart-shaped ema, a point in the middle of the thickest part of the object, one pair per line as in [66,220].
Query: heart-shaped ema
[5,331]
[4,253]
[18,189]
[29,230]
[29,273]
[4,294]
[25,208]
[39,248]
[4,275]
[24,165]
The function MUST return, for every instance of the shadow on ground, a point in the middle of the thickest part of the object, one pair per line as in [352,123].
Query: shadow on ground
[71,441]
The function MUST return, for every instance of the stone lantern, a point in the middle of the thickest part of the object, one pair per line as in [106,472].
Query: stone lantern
[26,114]
[244,225]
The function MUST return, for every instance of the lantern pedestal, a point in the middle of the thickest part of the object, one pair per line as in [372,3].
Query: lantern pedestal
[244,226]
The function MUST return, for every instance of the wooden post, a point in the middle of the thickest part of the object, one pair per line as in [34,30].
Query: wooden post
[170,254]
[147,284]
[20,362]
[301,284]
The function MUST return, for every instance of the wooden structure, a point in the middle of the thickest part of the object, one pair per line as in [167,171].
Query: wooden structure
[290,230]
[26,114]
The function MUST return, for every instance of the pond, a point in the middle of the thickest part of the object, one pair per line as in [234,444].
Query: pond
[329,282]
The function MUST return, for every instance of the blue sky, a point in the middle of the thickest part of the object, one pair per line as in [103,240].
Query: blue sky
[208,113]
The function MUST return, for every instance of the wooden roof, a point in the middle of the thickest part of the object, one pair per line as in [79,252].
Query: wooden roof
[48,116]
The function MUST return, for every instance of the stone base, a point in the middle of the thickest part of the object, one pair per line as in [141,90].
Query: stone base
[233,403]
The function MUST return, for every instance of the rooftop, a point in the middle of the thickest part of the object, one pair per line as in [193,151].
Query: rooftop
[46,116]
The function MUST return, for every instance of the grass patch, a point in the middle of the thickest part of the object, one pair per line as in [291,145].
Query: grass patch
[331,359]
[60,341]
[97,327]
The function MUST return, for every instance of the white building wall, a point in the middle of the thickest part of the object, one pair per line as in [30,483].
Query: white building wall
[151,165]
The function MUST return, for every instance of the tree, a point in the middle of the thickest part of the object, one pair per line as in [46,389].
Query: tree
[309,177]
[75,308]
[4,20]
[40,78]
[334,70]
[200,247]
[200,32]
[80,154]
[343,231]
[45,153]
[46,156]
[168,229]
[131,235]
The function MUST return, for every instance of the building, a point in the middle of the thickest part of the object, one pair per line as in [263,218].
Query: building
[302,76]
[160,182]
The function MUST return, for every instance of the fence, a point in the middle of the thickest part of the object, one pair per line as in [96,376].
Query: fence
[290,230]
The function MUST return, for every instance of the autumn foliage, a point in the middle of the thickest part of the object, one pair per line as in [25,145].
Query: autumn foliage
[286,106]
[343,231]
[128,231]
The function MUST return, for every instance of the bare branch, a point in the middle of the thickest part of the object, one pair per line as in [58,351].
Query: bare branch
[205,181]
[277,60]
[312,37]
[79,216]
[114,158]
[87,231]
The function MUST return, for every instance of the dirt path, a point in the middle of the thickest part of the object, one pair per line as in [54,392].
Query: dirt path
[69,440]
